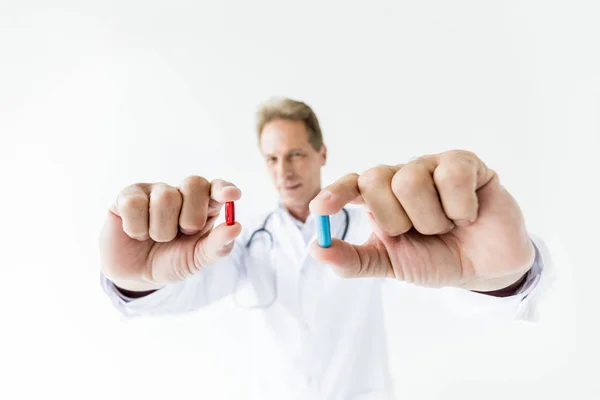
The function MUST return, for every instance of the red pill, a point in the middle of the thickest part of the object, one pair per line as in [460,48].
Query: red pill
[229,213]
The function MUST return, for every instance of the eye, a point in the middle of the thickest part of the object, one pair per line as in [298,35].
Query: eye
[271,160]
[296,154]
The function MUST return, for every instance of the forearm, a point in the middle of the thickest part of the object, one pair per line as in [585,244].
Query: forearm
[199,290]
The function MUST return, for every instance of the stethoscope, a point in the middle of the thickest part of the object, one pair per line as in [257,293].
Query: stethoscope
[264,231]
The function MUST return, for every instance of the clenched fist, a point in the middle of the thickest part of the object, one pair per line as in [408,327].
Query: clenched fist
[156,234]
[440,220]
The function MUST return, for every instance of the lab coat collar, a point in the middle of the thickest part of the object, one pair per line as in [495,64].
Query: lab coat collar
[290,237]
[335,219]
[283,209]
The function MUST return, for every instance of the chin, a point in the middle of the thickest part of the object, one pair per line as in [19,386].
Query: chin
[293,201]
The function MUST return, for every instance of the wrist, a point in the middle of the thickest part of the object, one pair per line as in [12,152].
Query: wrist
[507,290]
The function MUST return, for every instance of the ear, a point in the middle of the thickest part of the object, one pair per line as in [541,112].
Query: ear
[323,153]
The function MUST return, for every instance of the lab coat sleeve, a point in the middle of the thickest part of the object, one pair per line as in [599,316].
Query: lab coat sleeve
[522,306]
[209,285]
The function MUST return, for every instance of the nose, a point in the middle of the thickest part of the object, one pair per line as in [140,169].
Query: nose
[284,168]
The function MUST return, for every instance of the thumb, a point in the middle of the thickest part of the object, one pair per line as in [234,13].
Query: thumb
[354,261]
[216,245]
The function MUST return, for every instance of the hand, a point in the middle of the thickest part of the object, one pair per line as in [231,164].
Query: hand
[156,234]
[440,220]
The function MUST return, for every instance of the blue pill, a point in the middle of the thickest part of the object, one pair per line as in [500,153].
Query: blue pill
[323,231]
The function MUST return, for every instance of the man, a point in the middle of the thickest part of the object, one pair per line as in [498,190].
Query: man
[442,220]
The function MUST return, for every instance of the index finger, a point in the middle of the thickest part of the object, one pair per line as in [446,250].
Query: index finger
[222,191]
[334,197]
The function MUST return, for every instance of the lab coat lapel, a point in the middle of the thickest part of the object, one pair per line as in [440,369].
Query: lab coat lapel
[291,240]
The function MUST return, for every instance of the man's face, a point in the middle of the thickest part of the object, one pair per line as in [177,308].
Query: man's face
[293,164]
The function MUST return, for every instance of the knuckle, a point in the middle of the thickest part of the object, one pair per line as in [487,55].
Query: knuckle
[463,157]
[435,226]
[164,211]
[351,176]
[133,203]
[423,158]
[162,235]
[454,174]
[393,223]
[408,178]
[398,228]
[428,230]
[134,187]
[373,177]
[462,154]
[167,196]
[195,183]
[192,225]
[135,232]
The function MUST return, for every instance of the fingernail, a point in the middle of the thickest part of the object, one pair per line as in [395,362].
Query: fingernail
[226,246]
[189,232]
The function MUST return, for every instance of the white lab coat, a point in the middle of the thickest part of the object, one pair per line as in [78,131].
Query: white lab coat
[327,333]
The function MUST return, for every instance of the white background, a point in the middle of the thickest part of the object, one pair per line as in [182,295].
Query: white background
[97,95]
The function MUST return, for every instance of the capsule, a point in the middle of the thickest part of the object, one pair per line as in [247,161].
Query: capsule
[229,213]
[323,231]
